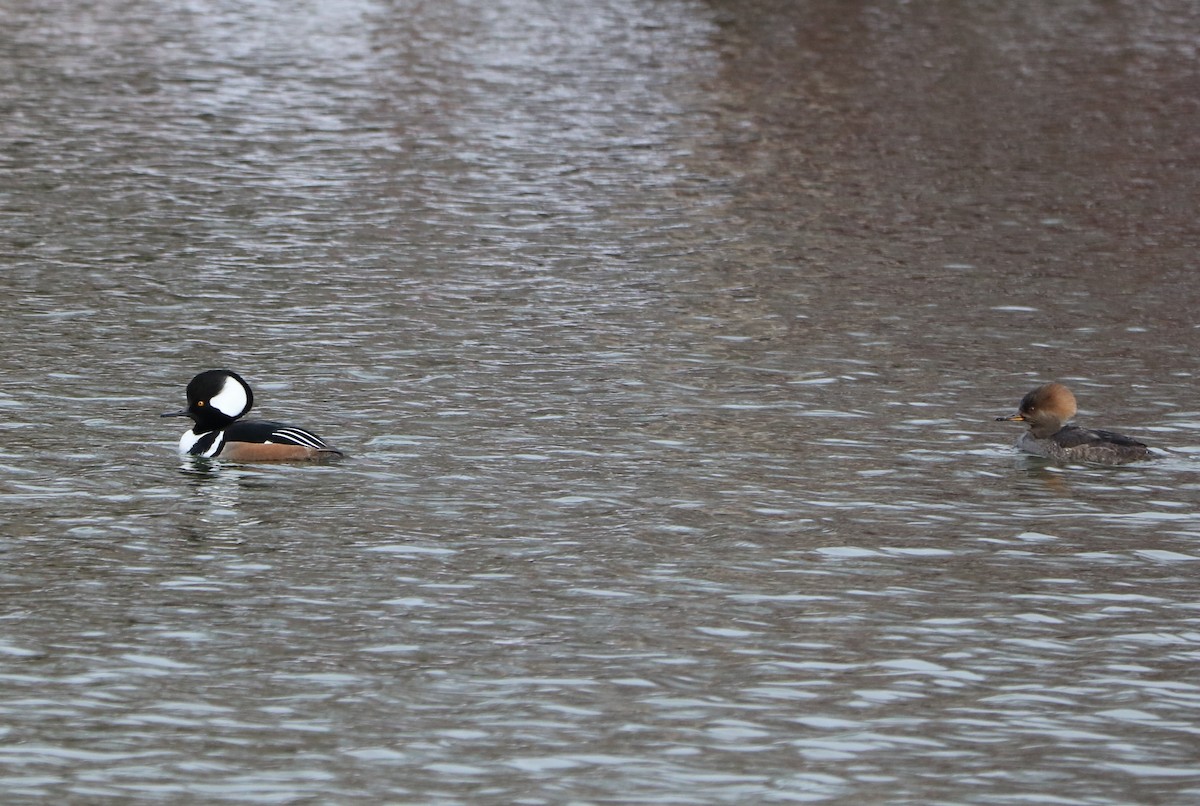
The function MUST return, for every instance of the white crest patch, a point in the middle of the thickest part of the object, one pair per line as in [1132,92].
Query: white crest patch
[231,400]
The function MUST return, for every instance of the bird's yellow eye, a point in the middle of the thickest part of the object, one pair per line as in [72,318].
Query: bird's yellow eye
[199,402]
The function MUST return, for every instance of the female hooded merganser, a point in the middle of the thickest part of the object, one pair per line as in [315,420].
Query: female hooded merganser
[217,400]
[1047,409]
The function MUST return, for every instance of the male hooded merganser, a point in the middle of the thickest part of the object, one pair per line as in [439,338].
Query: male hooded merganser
[1047,409]
[217,400]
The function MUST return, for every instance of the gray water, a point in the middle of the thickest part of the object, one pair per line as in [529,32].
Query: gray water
[666,339]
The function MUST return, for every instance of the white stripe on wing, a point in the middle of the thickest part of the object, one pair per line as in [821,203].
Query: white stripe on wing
[298,436]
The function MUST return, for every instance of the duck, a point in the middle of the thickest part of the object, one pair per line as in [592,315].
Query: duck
[1047,409]
[218,399]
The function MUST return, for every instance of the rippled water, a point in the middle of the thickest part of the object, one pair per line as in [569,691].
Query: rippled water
[666,340]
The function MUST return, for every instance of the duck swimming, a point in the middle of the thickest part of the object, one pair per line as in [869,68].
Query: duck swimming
[1047,410]
[217,401]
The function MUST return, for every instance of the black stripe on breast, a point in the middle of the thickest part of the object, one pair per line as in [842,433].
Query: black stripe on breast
[204,443]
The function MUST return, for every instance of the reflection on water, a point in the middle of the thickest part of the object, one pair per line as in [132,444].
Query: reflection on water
[666,341]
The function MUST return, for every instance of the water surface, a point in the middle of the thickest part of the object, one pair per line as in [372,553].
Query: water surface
[666,340]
